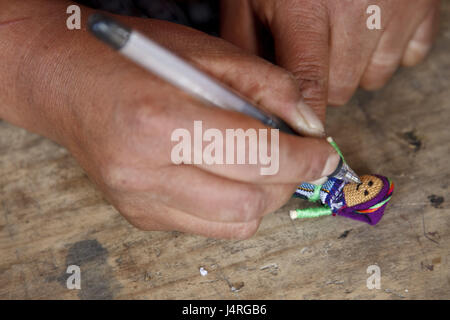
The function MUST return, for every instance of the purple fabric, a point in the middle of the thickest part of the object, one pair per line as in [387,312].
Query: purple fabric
[370,218]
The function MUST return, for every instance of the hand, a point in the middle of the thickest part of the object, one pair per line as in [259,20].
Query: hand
[117,121]
[326,43]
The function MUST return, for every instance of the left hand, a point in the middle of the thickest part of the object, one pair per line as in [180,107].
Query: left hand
[326,43]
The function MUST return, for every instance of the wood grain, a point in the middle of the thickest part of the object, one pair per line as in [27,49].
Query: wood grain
[51,216]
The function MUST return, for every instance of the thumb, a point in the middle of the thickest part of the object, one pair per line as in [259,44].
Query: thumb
[270,88]
[300,30]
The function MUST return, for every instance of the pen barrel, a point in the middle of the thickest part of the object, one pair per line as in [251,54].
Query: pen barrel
[183,75]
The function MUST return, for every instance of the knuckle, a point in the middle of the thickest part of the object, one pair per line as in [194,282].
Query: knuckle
[415,53]
[384,61]
[147,118]
[339,95]
[115,177]
[231,67]
[147,114]
[252,205]
[382,65]
[314,93]
[273,88]
[309,68]
[245,231]
[142,219]
[124,178]
[378,72]
[238,71]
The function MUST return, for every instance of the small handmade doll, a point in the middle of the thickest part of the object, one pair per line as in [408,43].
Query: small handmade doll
[363,201]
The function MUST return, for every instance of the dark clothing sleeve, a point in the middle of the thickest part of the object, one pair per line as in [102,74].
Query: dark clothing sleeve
[199,14]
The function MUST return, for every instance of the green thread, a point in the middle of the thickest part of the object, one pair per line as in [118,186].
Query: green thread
[316,194]
[335,146]
[313,212]
[380,203]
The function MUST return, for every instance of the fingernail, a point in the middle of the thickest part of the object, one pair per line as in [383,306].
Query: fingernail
[419,47]
[331,164]
[415,52]
[307,121]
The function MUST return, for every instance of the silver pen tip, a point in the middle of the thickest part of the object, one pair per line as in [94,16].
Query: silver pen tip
[351,176]
[347,174]
[354,179]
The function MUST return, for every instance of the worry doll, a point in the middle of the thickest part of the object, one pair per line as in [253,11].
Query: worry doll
[363,201]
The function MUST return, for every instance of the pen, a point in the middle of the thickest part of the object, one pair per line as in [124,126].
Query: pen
[162,62]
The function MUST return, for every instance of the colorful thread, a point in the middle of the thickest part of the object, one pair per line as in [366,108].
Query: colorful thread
[316,193]
[335,146]
[310,213]
[382,203]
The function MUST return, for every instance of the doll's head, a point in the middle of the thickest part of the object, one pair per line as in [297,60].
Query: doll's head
[367,200]
[363,201]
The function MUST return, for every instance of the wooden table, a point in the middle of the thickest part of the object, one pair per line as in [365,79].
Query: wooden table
[51,217]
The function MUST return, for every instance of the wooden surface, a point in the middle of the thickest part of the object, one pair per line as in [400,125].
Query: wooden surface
[51,216]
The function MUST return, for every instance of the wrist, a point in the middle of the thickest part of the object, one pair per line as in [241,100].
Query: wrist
[35,81]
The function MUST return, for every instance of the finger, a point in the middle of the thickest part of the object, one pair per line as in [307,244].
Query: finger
[389,53]
[184,222]
[245,154]
[217,199]
[420,44]
[292,160]
[300,31]
[267,86]
[170,219]
[202,194]
[255,154]
[348,59]
[238,25]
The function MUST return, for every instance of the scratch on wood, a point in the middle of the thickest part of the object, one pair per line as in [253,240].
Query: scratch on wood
[427,234]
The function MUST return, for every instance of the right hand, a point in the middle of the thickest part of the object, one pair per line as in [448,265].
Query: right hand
[117,120]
